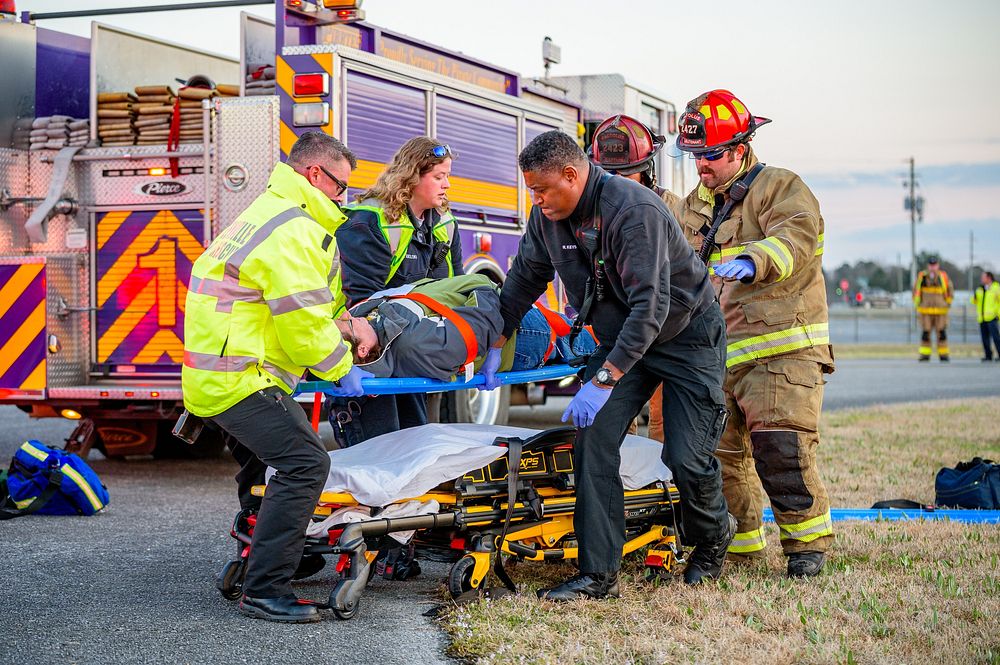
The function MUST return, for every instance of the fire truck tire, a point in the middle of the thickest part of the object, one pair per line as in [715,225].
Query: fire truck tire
[470,406]
[209,444]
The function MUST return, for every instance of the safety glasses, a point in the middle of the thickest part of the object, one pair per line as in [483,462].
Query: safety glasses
[337,181]
[711,156]
[440,151]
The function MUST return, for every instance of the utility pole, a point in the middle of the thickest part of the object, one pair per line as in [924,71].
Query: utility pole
[915,204]
[972,242]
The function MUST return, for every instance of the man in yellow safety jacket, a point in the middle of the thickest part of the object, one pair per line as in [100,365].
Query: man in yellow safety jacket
[766,264]
[260,311]
[932,296]
[986,298]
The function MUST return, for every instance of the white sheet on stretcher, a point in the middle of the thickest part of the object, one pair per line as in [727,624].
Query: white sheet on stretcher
[405,464]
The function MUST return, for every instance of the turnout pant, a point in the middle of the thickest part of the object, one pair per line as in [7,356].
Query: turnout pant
[690,367]
[934,323]
[269,428]
[990,330]
[771,440]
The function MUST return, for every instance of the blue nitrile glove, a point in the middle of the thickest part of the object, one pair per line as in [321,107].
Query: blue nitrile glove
[741,269]
[349,385]
[586,403]
[489,370]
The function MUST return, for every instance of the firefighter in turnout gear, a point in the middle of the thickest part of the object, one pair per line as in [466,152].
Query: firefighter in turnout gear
[624,146]
[766,265]
[259,312]
[932,296]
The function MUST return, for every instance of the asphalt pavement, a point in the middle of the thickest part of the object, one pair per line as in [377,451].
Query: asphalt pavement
[135,583]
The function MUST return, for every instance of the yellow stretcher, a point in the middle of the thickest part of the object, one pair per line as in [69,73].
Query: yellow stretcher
[477,521]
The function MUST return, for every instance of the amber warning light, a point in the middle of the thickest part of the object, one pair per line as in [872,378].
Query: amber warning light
[310,85]
[157,171]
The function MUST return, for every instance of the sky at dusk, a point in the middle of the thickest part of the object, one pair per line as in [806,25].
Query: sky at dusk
[854,89]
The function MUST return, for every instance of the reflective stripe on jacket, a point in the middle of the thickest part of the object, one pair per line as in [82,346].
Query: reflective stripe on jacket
[261,304]
[933,295]
[987,302]
[778,226]
[380,253]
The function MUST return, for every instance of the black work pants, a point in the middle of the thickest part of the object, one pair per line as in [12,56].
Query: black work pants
[357,419]
[271,429]
[691,368]
[990,330]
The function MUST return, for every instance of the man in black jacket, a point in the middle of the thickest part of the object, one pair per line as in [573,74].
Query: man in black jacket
[614,243]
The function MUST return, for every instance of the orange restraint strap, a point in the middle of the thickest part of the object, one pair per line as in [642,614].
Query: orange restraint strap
[464,329]
[557,327]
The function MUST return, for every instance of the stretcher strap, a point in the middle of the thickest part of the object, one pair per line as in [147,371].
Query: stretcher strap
[464,329]
[557,327]
[514,445]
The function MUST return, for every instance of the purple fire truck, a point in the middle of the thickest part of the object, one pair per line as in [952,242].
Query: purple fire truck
[97,240]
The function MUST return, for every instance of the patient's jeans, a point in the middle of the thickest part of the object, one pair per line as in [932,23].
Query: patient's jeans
[532,341]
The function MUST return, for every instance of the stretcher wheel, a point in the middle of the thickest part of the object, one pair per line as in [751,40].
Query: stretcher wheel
[460,576]
[345,615]
[229,581]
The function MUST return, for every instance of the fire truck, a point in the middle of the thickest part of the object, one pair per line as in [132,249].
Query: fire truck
[97,242]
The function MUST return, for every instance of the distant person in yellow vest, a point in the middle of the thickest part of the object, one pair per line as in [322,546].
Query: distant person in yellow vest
[932,296]
[626,147]
[986,298]
[767,265]
[399,231]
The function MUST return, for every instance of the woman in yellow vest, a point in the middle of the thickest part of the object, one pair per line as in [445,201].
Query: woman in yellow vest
[400,231]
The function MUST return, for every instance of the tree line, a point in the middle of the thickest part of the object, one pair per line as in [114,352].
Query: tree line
[866,275]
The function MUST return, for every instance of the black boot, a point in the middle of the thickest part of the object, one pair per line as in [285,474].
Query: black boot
[286,609]
[705,562]
[805,564]
[585,585]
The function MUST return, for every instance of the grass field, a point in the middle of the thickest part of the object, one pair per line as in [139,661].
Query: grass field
[892,592]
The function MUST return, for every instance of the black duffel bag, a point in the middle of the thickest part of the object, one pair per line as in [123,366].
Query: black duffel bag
[973,484]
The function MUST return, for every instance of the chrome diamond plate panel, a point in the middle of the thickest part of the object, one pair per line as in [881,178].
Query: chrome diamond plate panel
[246,134]
[15,178]
[66,282]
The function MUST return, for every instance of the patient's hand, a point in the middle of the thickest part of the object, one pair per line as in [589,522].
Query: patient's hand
[489,370]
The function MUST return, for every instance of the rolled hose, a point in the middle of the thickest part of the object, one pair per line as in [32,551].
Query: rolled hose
[895,514]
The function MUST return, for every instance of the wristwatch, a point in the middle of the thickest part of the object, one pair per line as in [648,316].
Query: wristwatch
[604,378]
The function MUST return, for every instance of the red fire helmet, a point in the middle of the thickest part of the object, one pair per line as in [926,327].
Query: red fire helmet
[714,120]
[624,145]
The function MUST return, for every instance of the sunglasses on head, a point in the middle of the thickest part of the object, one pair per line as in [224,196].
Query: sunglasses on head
[337,181]
[439,151]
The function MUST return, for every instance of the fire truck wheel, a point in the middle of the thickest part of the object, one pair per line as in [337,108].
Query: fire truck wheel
[470,406]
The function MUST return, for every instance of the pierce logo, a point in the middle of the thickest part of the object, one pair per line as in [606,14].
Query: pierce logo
[162,188]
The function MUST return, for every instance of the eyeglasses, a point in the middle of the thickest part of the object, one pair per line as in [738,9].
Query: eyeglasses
[337,181]
[711,156]
[439,151]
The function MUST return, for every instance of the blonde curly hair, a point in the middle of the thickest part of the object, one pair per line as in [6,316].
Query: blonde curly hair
[394,186]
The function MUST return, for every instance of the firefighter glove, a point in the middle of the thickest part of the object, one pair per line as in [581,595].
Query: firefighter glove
[741,269]
[489,370]
[586,403]
[349,385]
